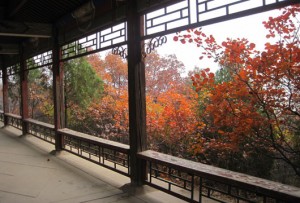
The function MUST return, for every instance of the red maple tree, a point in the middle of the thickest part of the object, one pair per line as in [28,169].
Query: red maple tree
[259,106]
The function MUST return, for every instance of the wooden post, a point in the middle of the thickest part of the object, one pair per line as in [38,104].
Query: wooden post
[5,92]
[136,89]
[58,91]
[24,90]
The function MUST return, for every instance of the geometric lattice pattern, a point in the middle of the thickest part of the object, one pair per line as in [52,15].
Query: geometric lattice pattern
[39,60]
[104,39]
[191,184]
[13,70]
[41,130]
[15,121]
[167,18]
[114,156]
[194,13]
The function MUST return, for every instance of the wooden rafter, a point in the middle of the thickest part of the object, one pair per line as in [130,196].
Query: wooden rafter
[26,29]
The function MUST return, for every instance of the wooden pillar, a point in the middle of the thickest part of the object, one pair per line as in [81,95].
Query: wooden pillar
[58,90]
[5,92]
[136,88]
[24,90]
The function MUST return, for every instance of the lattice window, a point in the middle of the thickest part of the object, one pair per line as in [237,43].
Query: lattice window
[107,38]
[195,13]
[173,16]
[207,9]
[13,70]
[39,60]
[113,35]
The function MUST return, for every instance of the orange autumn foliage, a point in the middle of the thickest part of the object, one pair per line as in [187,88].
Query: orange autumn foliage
[171,119]
[258,108]
[170,107]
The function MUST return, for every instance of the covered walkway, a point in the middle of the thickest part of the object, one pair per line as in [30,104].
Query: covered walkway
[78,167]
[29,172]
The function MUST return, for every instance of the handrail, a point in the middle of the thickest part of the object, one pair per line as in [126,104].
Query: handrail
[41,130]
[185,179]
[13,115]
[39,123]
[95,140]
[214,176]
[14,120]
[109,154]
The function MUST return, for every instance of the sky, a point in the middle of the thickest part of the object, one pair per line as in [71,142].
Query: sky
[249,27]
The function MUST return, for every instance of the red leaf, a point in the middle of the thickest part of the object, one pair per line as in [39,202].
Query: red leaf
[197,76]
[224,44]
[197,32]
[252,46]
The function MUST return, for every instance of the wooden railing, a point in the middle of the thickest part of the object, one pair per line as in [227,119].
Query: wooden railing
[14,120]
[1,116]
[191,181]
[187,180]
[109,154]
[41,130]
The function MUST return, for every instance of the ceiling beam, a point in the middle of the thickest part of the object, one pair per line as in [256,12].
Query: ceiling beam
[20,29]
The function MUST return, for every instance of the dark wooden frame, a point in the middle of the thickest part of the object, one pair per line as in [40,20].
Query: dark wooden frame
[136,89]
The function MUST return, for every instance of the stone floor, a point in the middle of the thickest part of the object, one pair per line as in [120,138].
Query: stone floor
[29,172]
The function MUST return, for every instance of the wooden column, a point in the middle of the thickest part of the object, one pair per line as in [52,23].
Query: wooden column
[58,91]
[5,92]
[136,88]
[24,90]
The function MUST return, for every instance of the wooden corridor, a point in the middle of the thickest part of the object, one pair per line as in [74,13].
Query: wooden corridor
[29,172]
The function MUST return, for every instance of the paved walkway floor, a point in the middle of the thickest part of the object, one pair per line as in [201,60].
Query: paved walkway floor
[30,173]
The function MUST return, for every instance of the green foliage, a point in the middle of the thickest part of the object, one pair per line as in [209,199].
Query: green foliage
[82,86]
[223,75]
[40,94]
[81,83]
[14,92]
